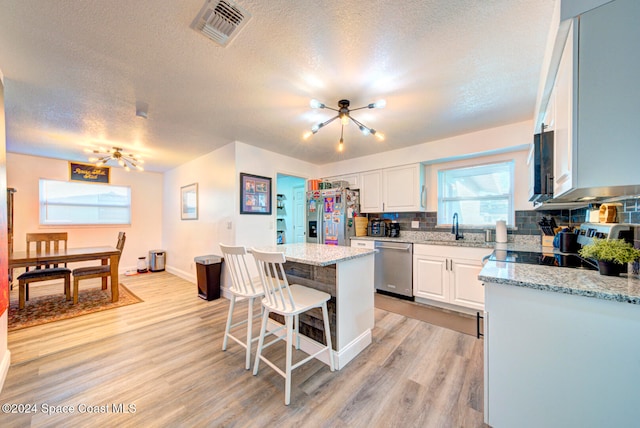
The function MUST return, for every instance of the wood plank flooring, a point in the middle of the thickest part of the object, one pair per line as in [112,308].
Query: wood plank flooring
[163,356]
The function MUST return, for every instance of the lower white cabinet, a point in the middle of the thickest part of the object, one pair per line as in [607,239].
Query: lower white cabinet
[449,274]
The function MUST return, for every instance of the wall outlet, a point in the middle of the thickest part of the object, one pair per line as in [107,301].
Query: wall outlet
[415,224]
[229,225]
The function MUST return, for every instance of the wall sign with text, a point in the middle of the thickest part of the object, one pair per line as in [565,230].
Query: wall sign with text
[89,173]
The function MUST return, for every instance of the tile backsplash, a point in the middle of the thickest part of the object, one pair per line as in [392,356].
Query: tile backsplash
[526,221]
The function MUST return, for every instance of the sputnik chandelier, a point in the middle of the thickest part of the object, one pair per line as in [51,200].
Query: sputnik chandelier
[344,113]
[127,161]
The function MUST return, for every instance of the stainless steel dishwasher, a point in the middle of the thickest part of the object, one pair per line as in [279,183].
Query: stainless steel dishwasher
[394,268]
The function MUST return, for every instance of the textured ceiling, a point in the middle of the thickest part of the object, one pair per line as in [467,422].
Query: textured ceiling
[75,69]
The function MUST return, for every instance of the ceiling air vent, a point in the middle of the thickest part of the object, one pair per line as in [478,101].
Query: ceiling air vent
[221,20]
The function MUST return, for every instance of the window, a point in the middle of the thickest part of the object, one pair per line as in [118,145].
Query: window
[63,202]
[479,194]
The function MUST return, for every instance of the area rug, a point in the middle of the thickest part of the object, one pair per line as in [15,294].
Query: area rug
[45,309]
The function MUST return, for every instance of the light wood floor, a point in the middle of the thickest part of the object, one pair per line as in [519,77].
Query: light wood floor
[164,356]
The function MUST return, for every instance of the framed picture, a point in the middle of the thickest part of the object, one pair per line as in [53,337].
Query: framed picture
[255,194]
[189,202]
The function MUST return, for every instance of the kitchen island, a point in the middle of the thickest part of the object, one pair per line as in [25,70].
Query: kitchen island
[562,346]
[347,274]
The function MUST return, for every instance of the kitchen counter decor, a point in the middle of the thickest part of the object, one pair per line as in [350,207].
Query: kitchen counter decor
[612,255]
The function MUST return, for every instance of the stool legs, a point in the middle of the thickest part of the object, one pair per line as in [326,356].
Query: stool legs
[227,332]
[249,333]
[287,379]
[232,305]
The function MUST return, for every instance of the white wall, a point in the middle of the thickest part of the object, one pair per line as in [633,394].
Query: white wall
[487,146]
[254,230]
[521,177]
[218,202]
[144,233]
[494,140]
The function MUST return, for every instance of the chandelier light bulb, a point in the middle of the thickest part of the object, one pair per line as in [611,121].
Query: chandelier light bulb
[379,135]
[344,119]
[380,104]
[365,130]
[100,163]
[316,104]
[341,145]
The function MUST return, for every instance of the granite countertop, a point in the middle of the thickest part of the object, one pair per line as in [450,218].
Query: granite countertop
[318,254]
[439,238]
[588,283]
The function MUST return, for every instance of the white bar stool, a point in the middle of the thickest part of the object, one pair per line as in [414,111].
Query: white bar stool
[289,301]
[244,286]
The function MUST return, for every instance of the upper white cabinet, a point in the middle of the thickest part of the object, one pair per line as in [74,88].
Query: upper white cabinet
[352,179]
[399,189]
[595,101]
[371,191]
[562,108]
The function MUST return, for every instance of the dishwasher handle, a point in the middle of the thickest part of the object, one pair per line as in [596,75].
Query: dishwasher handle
[406,248]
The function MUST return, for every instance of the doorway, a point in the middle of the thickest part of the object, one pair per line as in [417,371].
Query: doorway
[290,212]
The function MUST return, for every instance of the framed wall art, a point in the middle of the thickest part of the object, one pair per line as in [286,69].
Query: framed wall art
[255,194]
[189,202]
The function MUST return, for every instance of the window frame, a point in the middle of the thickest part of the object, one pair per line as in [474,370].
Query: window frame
[510,196]
[43,205]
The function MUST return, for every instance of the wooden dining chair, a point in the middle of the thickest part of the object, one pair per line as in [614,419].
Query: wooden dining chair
[44,243]
[289,301]
[102,271]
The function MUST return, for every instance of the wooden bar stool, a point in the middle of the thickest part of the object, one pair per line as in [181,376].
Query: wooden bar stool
[243,286]
[289,301]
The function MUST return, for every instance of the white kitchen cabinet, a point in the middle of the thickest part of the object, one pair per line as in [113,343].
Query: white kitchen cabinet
[352,179]
[562,101]
[398,189]
[431,277]
[596,102]
[371,192]
[449,275]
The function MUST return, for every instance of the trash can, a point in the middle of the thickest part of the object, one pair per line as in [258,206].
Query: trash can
[157,260]
[208,273]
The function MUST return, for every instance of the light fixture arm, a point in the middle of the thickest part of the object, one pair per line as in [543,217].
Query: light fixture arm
[344,113]
[126,160]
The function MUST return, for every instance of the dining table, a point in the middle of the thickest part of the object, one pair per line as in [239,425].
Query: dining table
[106,254]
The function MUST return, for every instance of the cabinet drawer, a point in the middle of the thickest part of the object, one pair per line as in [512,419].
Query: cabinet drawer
[361,243]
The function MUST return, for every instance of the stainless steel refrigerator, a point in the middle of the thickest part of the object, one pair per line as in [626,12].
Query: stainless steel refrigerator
[330,215]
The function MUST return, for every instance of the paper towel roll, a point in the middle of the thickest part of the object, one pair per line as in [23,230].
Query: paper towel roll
[501,231]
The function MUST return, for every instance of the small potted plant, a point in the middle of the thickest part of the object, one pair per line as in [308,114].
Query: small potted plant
[611,254]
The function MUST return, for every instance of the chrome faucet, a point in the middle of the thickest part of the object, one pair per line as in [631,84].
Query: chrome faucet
[454,227]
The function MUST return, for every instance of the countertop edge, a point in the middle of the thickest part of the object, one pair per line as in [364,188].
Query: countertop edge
[623,289]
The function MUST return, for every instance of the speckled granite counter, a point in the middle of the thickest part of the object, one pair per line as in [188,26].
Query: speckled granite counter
[317,254]
[625,288]
[524,243]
